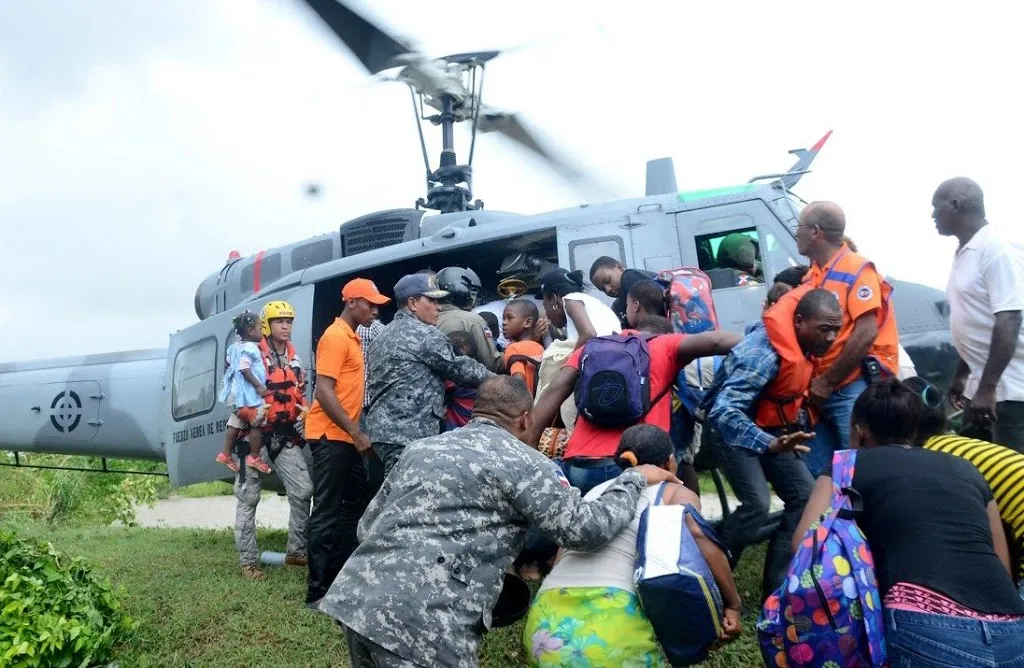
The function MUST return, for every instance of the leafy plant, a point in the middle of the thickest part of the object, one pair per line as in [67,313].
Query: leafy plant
[53,610]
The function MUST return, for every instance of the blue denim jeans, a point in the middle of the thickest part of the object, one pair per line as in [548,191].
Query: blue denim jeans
[917,639]
[832,432]
[588,479]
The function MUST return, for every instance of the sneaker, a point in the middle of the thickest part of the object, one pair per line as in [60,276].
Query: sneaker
[257,463]
[295,560]
[227,461]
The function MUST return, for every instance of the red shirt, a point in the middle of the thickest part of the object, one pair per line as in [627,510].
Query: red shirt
[589,440]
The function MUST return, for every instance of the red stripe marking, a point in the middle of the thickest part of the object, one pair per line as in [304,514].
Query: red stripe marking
[256,266]
[821,142]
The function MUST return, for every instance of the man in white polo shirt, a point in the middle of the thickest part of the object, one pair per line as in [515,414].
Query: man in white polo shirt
[986,297]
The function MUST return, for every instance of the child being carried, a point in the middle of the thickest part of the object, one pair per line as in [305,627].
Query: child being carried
[244,391]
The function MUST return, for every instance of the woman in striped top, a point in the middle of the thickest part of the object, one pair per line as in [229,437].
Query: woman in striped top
[1002,468]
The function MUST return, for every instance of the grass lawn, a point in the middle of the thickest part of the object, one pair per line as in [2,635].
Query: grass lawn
[195,609]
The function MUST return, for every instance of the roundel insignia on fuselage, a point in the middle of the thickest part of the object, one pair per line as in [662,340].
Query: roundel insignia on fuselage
[66,411]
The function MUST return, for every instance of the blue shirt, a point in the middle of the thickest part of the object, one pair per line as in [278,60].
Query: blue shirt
[732,399]
[237,390]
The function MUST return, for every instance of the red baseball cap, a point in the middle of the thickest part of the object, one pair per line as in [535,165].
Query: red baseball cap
[363,288]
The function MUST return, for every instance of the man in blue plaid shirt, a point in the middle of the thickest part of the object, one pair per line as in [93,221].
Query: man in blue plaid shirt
[754,457]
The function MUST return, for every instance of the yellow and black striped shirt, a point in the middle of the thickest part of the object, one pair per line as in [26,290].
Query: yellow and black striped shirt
[1003,470]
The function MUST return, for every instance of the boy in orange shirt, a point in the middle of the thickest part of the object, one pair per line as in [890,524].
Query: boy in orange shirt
[523,353]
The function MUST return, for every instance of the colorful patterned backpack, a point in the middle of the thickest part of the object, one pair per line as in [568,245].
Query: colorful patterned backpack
[828,613]
[690,305]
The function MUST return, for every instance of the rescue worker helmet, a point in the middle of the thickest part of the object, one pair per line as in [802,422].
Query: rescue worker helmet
[462,286]
[273,311]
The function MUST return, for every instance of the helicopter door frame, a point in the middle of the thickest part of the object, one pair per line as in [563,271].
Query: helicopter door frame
[740,305]
[580,245]
[193,421]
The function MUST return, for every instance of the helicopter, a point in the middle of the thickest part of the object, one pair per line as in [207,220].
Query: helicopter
[161,404]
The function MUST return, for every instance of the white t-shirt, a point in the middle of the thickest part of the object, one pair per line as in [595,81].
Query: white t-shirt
[603,319]
[987,278]
[610,566]
[907,368]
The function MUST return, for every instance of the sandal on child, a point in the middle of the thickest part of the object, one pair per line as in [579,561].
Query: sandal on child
[227,461]
[252,572]
[257,463]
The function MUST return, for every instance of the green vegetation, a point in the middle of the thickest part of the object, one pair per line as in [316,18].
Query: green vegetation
[75,497]
[193,607]
[183,587]
[53,610]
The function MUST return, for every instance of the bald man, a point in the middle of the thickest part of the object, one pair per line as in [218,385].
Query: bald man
[867,346]
[985,304]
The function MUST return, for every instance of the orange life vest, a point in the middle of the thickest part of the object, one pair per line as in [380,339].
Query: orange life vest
[838,277]
[780,403]
[285,396]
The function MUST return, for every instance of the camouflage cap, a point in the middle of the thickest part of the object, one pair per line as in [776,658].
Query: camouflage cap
[415,285]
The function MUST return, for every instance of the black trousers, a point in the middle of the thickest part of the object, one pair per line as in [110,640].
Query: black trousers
[749,474]
[339,499]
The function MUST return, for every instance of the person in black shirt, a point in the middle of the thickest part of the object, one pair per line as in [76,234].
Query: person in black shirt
[940,552]
[609,276]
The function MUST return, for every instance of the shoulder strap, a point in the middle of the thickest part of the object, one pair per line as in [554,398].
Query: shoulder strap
[659,496]
[526,359]
[843,466]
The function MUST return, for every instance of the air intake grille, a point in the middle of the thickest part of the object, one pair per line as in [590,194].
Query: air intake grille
[368,234]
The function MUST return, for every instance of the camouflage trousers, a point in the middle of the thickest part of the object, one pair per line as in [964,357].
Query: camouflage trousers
[364,653]
[293,471]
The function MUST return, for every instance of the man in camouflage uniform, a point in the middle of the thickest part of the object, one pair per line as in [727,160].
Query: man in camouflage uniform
[409,362]
[291,467]
[447,523]
[462,286]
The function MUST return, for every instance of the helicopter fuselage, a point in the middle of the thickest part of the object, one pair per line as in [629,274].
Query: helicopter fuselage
[162,404]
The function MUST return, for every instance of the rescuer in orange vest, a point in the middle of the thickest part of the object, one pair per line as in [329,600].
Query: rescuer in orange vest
[757,405]
[867,347]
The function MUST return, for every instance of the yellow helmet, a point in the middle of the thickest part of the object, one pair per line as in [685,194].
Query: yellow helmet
[274,310]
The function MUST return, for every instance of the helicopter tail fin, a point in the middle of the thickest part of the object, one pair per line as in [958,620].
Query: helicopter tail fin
[661,177]
[803,162]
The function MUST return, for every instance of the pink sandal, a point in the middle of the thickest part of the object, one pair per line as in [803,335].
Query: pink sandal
[227,461]
[257,463]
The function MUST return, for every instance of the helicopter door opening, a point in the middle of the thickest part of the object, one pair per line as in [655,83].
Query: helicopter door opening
[529,254]
[194,422]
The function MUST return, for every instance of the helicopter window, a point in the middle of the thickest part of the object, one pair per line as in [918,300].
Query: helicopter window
[316,252]
[193,389]
[776,255]
[710,255]
[270,271]
[583,253]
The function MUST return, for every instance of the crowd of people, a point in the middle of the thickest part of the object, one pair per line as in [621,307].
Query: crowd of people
[449,451]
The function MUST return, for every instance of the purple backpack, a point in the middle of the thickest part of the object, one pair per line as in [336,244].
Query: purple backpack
[828,612]
[614,384]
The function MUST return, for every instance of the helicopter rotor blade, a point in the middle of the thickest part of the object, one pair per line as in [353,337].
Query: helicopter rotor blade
[511,126]
[373,47]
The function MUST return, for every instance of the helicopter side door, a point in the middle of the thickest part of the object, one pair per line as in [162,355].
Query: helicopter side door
[579,245]
[194,422]
[739,296]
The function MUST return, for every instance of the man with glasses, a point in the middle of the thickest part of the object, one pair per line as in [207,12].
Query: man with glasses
[867,346]
[409,362]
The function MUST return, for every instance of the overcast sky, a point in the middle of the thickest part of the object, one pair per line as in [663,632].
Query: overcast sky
[142,140]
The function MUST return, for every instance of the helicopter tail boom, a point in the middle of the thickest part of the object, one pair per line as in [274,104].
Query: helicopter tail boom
[104,405]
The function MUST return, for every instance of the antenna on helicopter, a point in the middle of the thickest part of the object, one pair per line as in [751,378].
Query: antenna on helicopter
[453,87]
